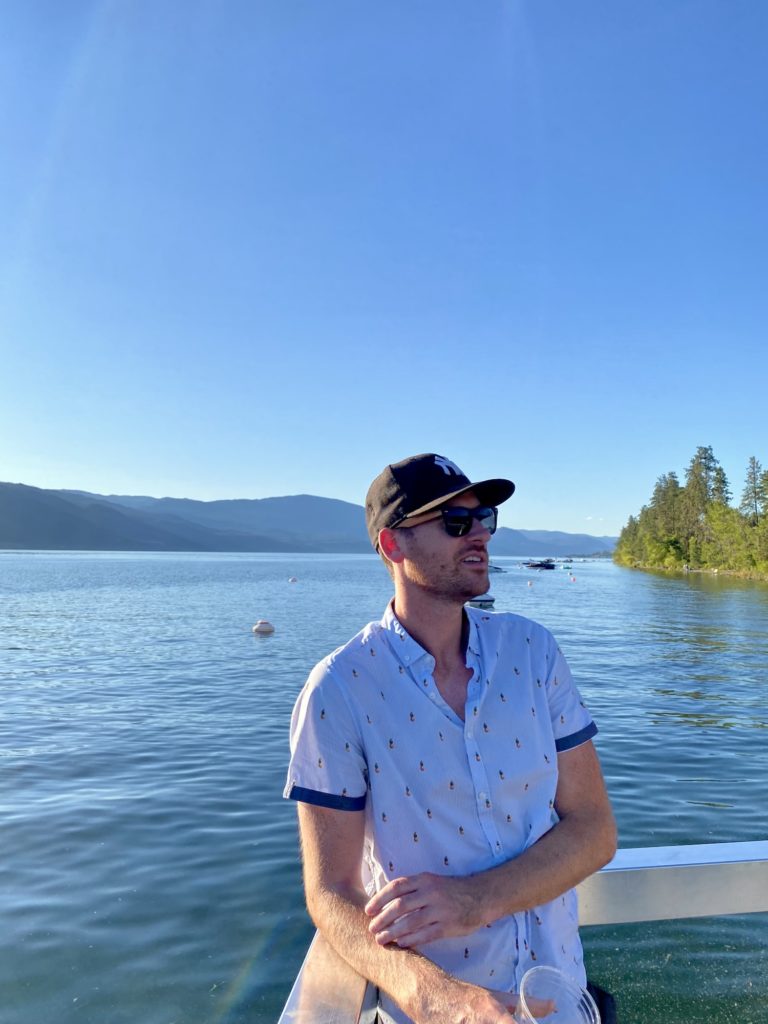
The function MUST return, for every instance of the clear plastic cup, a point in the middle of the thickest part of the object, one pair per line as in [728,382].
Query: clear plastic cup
[547,996]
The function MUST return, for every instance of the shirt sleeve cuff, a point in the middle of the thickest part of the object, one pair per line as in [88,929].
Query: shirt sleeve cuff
[336,803]
[576,738]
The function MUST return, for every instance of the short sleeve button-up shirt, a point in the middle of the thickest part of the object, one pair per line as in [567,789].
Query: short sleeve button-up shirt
[370,732]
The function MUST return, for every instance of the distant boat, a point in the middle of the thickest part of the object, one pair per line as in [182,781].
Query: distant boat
[545,563]
[484,601]
[495,568]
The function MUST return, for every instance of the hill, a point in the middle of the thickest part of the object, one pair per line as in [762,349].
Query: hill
[32,518]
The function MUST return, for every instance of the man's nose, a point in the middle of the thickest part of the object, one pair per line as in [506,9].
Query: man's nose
[479,531]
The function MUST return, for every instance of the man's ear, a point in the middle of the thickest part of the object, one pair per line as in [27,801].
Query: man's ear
[389,543]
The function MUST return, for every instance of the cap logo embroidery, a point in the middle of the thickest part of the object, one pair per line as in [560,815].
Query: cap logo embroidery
[447,466]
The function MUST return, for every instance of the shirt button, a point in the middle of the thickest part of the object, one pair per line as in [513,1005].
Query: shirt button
[482,796]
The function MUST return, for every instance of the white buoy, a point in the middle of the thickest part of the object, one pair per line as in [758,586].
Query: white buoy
[292,579]
[263,627]
[530,583]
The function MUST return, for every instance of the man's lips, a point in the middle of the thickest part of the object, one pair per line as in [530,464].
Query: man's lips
[478,558]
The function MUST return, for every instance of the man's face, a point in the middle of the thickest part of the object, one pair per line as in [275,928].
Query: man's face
[453,568]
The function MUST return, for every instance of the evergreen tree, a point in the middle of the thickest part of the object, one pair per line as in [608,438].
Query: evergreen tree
[665,501]
[755,495]
[705,482]
[721,491]
[663,521]
[702,479]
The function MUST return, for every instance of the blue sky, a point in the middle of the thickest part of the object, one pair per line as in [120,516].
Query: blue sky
[263,247]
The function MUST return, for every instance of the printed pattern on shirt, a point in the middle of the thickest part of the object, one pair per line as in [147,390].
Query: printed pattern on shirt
[371,729]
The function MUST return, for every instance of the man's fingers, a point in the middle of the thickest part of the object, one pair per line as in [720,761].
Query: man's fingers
[397,887]
[401,910]
[392,927]
[542,1007]
[386,921]
[409,936]
[394,911]
[507,999]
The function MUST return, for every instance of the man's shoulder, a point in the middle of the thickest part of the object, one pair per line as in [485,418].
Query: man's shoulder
[356,648]
[343,677]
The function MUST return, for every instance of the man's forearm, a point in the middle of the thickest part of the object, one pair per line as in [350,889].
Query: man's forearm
[583,840]
[571,851]
[402,973]
[422,989]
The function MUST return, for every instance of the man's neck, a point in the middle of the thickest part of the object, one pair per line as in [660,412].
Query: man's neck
[438,626]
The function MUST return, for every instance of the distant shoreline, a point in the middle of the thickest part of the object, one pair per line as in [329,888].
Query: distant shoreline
[741,574]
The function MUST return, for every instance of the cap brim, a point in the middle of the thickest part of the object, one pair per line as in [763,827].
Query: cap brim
[491,492]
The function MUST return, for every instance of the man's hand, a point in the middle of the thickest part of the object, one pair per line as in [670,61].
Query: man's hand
[419,909]
[465,1003]
[458,1002]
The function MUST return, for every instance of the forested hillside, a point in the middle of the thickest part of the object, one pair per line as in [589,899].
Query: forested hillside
[696,525]
[32,518]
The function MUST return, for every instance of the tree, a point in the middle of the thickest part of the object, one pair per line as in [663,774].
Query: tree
[705,480]
[755,495]
[721,490]
[728,544]
[664,502]
[662,521]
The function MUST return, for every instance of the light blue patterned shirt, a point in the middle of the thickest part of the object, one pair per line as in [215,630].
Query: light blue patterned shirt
[370,732]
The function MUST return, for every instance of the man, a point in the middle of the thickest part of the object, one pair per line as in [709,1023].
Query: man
[449,793]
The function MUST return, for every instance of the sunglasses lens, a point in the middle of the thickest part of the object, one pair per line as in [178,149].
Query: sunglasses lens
[456,525]
[490,519]
[458,521]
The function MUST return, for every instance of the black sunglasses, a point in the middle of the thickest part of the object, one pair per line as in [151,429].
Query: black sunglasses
[458,521]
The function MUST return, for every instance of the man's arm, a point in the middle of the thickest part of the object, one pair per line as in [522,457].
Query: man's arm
[422,908]
[332,846]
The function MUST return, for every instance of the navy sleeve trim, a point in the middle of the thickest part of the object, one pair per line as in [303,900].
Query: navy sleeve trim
[336,803]
[576,738]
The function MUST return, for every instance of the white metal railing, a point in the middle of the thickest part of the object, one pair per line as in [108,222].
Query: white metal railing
[650,884]
[660,883]
[328,991]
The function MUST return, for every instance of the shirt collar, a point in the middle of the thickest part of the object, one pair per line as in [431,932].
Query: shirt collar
[473,640]
[407,650]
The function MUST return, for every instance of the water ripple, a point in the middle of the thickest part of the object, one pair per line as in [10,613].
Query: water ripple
[150,870]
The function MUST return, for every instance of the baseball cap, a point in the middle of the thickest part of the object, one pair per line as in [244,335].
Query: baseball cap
[420,483]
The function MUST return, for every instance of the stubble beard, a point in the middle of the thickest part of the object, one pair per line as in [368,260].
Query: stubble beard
[451,584]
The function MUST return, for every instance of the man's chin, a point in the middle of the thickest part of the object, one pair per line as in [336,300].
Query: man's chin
[461,590]
[481,586]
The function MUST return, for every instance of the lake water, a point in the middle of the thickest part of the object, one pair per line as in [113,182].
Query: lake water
[148,865]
